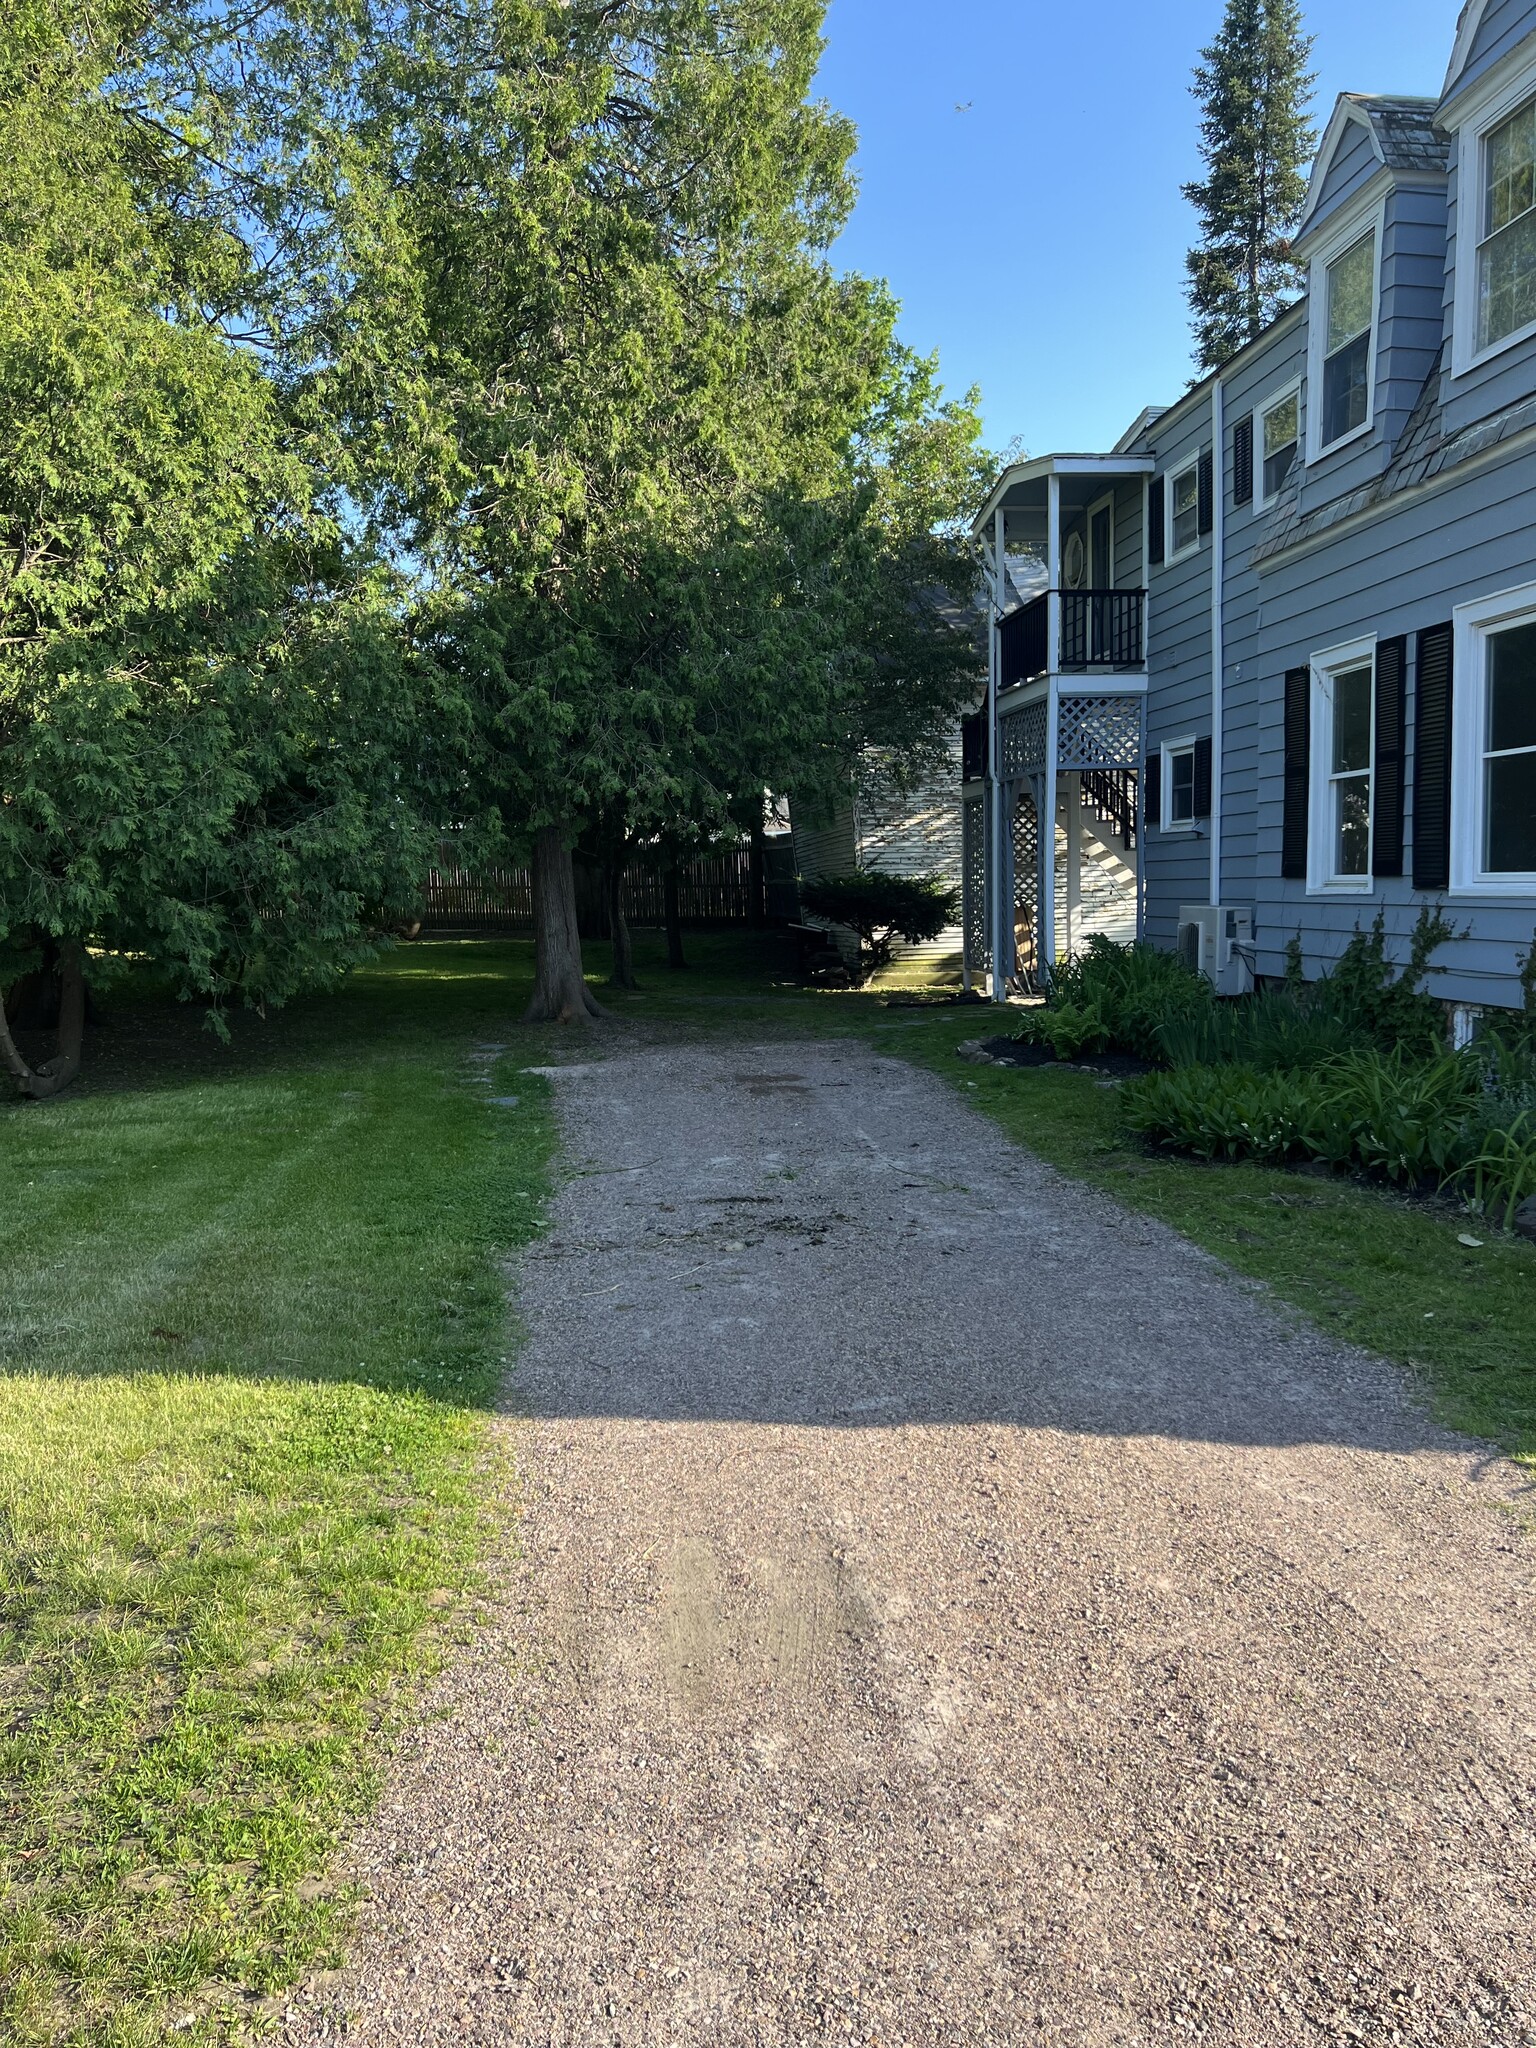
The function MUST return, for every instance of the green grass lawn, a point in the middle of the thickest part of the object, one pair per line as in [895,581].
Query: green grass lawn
[251,1326]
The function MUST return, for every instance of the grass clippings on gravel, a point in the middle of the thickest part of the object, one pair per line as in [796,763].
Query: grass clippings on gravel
[252,1323]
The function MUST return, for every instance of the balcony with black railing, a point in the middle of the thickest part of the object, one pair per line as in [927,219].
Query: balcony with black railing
[1100,629]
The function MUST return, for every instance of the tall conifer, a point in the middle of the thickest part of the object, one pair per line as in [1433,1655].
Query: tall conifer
[1256,139]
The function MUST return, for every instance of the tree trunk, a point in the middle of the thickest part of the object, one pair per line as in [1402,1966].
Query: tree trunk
[55,1074]
[560,993]
[674,918]
[757,894]
[623,975]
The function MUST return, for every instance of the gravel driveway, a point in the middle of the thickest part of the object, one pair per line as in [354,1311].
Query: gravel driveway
[951,1610]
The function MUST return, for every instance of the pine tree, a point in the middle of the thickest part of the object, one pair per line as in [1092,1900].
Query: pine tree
[1256,139]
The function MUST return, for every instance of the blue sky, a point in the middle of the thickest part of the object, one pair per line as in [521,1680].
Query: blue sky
[1037,239]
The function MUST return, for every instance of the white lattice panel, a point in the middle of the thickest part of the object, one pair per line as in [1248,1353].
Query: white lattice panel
[1023,741]
[1098,732]
[973,843]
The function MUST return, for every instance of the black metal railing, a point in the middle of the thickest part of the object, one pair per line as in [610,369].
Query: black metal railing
[1102,628]
[1025,638]
[1110,793]
[975,736]
[1099,629]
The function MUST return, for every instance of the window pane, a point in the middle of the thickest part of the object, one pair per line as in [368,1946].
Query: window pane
[1181,788]
[1511,838]
[1346,389]
[1353,853]
[1280,425]
[1351,290]
[1186,511]
[1506,281]
[1511,689]
[1277,468]
[1352,721]
[1510,162]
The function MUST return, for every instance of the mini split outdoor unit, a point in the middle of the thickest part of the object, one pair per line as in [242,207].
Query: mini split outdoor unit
[1218,942]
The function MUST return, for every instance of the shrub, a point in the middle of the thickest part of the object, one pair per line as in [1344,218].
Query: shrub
[1068,1029]
[1407,1118]
[1133,990]
[882,908]
[1219,1112]
[1277,1030]
[1407,1121]
[1375,1003]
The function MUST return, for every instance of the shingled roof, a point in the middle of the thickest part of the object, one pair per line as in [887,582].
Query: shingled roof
[1405,130]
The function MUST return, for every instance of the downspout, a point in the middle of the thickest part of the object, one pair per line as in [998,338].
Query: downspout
[1218,619]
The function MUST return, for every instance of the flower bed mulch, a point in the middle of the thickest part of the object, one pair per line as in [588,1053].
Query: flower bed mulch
[1014,1052]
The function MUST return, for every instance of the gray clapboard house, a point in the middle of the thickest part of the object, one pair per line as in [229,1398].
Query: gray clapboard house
[1284,659]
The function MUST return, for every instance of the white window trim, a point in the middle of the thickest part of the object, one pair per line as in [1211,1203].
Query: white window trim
[1471,626]
[1480,118]
[1267,405]
[1321,881]
[1185,745]
[1192,547]
[1359,224]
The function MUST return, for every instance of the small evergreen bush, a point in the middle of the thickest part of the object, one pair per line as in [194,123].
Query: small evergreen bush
[882,908]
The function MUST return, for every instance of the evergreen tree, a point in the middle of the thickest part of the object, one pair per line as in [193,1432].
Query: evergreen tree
[1256,139]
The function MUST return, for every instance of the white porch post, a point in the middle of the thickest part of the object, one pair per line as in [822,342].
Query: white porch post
[998,865]
[1072,807]
[1047,908]
[1048,836]
[1053,573]
[1141,827]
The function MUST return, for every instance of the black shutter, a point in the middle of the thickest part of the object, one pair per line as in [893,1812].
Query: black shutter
[1387,794]
[1242,461]
[1157,510]
[1202,798]
[1298,747]
[1432,760]
[1205,493]
[1152,788]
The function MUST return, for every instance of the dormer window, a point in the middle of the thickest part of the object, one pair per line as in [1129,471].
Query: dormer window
[1506,254]
[1349,309]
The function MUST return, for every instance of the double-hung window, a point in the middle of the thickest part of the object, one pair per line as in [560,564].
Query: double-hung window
[1178,786]
[1349,315]
[1184,508]
[1279,435]
[1493,789]
[1343,756]
[1506,250]
[1509,753]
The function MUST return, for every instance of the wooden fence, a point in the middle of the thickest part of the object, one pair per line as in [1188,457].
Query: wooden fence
[716,889]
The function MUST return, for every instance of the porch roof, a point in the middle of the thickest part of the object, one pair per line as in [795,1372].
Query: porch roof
[1021,492]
